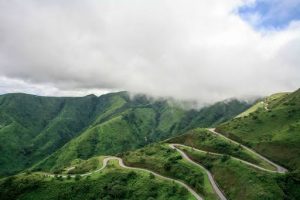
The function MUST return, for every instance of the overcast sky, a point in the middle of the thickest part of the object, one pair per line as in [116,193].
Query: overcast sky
[204,50]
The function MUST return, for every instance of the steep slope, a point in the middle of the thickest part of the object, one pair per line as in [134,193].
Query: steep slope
[32,128]
[205,140]
[140,123]
[108,138]
[273,129]
[212,115]
[160,158]
[112,182]
[238,180]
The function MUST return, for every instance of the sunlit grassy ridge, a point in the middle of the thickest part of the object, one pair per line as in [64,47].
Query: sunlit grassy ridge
[49,132]
[166,161]
[131,128]
[264,103]
[111,183]
[79,166]
[238,180]
[274,132]
[205,140]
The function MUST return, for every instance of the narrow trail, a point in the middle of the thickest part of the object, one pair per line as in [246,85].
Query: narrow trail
[211,179]
[279,168]
[219,154]
[210,176]
[121,163]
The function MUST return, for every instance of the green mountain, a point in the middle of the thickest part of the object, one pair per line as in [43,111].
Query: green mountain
[271,127]
[62,145]
[111,184]
[49,132]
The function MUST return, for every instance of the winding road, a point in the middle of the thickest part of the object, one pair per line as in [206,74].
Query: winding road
[279,168]
[219,154]
[121,163]
[210,176]
[215,186]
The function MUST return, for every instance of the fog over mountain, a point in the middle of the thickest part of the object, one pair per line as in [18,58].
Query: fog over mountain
[190,50]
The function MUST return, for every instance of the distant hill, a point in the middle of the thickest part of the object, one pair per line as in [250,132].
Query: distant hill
[271,127]
[49,132]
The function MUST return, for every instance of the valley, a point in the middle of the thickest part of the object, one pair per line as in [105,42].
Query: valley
[189,163]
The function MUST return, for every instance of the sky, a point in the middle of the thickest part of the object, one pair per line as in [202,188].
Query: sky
[198,50]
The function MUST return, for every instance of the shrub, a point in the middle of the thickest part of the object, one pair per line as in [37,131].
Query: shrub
[77,177]
[225,157]
[167,166]
[131,174]
[151,176]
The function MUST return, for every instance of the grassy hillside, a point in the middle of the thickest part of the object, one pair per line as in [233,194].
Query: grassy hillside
[240,181]
[205,140]
[49,132]
[273,130]
[166,161]
[212,115]
[111,183]
[111,137]
[33,127]
[236,179]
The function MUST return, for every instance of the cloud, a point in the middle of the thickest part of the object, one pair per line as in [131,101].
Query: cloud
[9,85]
[181,49]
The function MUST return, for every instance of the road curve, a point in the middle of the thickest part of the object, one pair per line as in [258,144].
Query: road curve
[197,196]
[121,163]
[219,154]
[210,177]
[279,168]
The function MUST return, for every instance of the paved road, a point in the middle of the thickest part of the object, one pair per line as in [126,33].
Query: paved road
[197,196]
[279,168]
[121,163]
[105,161]
[210,177]
[219,154]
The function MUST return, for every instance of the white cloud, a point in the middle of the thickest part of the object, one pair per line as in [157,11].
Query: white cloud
[9,85]
[184,49]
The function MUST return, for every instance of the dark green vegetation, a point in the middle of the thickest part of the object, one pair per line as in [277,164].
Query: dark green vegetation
[166,161]
[112,183]
[49,132]
[272,130]
[205,140]
[62,135]
[240,181]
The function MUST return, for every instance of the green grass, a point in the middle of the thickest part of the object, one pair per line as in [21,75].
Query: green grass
[238,180]
[34,127]
[212,115]
[79,166]
[168,162]
[255,107]
[274,133]
[111,137]
[56,130]
[205,140]
[111,183]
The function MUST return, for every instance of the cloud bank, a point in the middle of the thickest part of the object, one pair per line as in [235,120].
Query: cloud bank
[190,50]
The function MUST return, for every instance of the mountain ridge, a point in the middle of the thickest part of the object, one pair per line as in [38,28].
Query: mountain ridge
[33,127]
